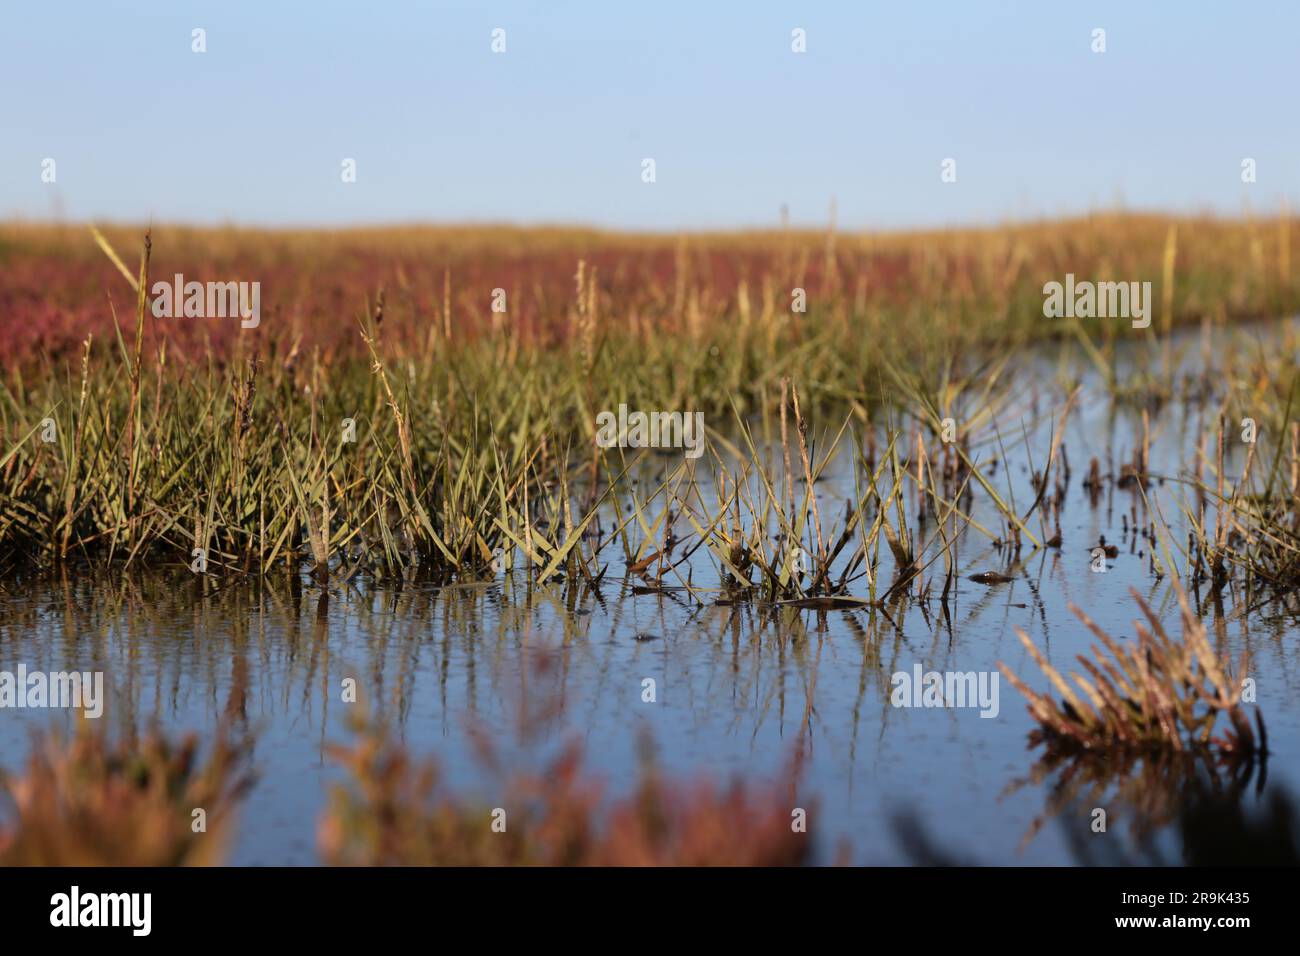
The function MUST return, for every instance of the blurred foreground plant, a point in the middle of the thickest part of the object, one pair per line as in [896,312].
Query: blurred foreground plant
[393,811]
[87,802]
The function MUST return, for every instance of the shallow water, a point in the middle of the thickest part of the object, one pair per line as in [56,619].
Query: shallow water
[738,688]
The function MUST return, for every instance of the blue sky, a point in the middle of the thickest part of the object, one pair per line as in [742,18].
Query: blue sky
[556,128]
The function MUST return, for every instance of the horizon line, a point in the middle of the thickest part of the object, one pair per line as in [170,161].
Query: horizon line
[803,227]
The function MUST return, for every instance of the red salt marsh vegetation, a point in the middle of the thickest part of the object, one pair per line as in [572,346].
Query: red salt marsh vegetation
[436,283]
